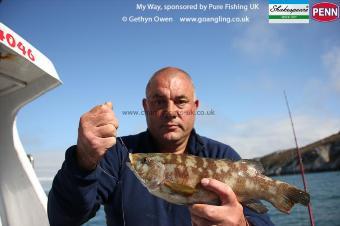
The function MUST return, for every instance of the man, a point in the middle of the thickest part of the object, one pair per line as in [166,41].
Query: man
[94,171]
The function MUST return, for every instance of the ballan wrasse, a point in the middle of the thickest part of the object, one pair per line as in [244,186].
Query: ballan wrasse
[176,179]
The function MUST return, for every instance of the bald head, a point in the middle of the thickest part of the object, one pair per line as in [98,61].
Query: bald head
[167,74]
[170,104]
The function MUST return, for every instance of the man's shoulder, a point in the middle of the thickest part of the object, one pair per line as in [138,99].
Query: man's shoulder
[134,137]
[217,149]
[135,141]
[213,143]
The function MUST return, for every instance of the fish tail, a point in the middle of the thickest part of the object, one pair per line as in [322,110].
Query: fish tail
[288,196]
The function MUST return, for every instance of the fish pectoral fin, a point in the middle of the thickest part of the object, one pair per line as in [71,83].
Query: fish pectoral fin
[257,165]
[255,205]
[180,188]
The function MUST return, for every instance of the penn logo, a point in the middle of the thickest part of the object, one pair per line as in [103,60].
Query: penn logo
[325,12]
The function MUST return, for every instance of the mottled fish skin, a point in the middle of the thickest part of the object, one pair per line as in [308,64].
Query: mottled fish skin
[176,178]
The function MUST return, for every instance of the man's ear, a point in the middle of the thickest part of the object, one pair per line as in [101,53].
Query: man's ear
[145,105]
[197,103]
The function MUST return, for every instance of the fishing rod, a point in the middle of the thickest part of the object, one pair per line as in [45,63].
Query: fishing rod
[310,211]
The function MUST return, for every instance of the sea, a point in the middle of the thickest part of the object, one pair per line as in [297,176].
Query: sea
[324,189]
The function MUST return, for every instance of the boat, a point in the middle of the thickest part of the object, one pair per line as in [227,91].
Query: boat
[25,74]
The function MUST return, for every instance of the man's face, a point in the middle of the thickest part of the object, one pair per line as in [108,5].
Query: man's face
[170,107]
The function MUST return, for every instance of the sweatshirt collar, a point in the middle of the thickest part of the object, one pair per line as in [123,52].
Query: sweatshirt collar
[194,146]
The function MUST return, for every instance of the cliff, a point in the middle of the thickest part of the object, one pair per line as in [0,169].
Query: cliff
[322,155]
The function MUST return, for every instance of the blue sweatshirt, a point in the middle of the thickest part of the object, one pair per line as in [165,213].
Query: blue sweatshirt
[76,195]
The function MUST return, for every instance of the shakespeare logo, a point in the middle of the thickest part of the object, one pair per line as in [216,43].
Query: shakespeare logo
[288,11]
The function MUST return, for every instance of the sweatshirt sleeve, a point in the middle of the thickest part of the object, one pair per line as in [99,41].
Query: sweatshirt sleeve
[76,194]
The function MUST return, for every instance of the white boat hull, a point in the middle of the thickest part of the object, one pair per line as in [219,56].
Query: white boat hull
[23,77]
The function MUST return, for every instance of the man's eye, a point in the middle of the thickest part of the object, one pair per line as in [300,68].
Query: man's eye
[159,102]
[181,103]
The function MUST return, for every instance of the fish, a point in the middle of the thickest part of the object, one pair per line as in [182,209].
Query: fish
[176,178]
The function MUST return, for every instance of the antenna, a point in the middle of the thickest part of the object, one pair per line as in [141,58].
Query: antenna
[302,171]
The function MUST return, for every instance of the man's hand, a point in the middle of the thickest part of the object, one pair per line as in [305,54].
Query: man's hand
[229,213]
[96,134]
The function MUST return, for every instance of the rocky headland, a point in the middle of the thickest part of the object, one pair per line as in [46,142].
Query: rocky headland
[322,155]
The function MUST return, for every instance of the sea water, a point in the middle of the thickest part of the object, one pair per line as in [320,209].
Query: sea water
[324,189]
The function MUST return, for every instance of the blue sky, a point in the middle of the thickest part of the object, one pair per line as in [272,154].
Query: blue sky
[239,70]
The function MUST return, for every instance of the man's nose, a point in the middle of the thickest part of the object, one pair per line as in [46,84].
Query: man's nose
[171,110]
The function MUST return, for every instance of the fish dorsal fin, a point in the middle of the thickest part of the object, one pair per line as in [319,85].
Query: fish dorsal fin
[180,188]
[257,165]
[255,205]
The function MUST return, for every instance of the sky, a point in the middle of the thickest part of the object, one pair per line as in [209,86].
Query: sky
[239,69]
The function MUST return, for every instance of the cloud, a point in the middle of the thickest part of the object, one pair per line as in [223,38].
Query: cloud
[257,137]
[259,40]
[331,60]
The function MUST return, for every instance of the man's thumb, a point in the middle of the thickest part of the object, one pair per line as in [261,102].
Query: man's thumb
[109,104]
[225,193]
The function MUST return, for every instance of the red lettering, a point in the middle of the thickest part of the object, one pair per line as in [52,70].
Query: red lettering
[325,12]
[22,48]
[10,40]
[2,35]
[30,54]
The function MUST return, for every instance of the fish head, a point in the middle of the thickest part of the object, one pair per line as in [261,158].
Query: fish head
[148,168]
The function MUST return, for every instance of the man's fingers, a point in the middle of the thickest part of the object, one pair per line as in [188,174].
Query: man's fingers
[225,193]
[108,130]
[96,134]
[215,213]
[199,221]
[115,123]
[107,106]
[108,142]
[208,212]
[102,119]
